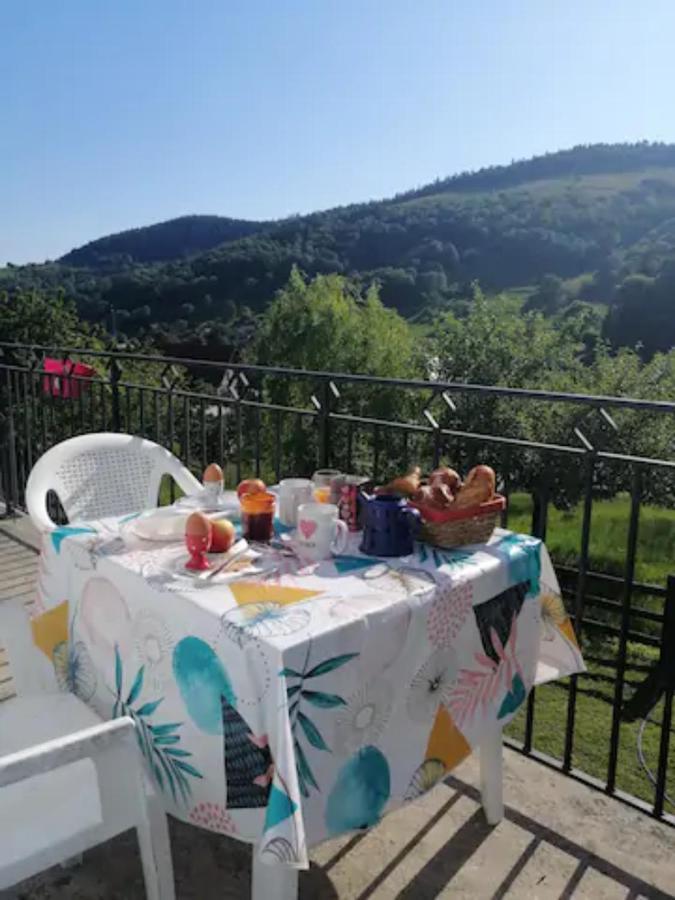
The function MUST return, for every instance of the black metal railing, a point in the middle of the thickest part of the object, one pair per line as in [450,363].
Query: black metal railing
[275,421]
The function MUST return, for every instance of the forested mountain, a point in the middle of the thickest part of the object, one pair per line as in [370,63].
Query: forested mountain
[174,239]
[592,216]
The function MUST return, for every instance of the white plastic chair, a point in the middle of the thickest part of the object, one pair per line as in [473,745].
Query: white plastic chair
[102,474]
[68,781]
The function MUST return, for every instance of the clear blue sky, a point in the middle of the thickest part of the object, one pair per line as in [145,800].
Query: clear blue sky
[119,113]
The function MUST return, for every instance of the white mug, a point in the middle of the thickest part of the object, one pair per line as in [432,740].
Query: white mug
[320,532]
[293,492]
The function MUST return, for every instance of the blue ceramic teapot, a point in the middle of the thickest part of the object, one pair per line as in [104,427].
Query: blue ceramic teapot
[389,525]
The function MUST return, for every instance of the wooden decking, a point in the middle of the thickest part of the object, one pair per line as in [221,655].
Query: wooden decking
[18,572]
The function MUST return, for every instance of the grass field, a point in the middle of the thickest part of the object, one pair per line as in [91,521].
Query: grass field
[655,561]
[609,535]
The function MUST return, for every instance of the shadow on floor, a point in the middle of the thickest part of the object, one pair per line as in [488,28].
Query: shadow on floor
[209,866]
[465,842]
[446,863]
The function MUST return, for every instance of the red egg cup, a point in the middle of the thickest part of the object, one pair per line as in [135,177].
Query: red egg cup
[198,546]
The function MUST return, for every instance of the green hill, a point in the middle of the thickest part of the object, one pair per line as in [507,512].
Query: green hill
[603,211]
[174,239]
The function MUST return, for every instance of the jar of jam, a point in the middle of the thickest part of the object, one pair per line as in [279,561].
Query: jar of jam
[257,516]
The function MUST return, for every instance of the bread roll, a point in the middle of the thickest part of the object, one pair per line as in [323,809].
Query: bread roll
[478,488]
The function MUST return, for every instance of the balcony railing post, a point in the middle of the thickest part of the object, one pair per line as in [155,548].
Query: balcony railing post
[629,578]
[580,601]
[115,373]
[668,634]
[12,477]
[324,424]
[667,664]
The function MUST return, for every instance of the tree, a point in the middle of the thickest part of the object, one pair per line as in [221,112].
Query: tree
[495,345]
[644,312]
[582,324]
[329,324]
[30,317]
[549,297]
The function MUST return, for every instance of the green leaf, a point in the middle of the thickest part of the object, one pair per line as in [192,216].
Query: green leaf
[146,738]
[292,708]
[183,785]
[290,673]
[304,790]
[158,775]
[167,771]
[118,671]
[329,665]
[186,767]
[148,708]
[165,729]
[167,739]
[324,701]
[304,771]
[116,710]
[176,751]
[312,733]
[136,687]
[291,691]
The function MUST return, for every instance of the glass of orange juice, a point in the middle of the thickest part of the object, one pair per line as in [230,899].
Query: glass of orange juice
[323,481]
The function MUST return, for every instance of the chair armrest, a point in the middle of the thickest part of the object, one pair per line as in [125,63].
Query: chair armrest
[89,742]
[184,478]
[37,487]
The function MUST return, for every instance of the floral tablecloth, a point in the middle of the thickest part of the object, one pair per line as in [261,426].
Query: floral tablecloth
[286,710]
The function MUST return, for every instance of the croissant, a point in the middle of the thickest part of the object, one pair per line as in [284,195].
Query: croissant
[478,487]
[447,476]
[436,496]
[405,485]
[423,496]
[442,495]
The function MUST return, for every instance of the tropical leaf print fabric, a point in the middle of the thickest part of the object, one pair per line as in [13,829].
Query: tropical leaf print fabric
[287,709]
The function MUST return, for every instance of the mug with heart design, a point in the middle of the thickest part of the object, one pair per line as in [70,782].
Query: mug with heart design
[320,532]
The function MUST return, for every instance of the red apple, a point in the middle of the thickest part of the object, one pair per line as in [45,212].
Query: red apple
[222,535]
[251,486]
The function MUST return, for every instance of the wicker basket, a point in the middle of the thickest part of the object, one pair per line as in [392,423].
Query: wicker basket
[456,527]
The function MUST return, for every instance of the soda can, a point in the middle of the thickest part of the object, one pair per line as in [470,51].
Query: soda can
[350,501]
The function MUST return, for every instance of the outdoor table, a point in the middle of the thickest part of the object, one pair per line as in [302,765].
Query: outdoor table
[287,710]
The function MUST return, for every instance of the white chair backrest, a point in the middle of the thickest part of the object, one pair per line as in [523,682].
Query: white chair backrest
[30,670]
[102,474]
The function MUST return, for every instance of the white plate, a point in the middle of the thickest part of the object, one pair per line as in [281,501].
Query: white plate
[161,525]
[176,568]
[228,503]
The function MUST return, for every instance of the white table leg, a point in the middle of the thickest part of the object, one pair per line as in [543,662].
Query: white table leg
[273,882]
[491,776]
[158,850]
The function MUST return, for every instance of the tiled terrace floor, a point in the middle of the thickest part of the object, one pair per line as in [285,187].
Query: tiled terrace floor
[559,839]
